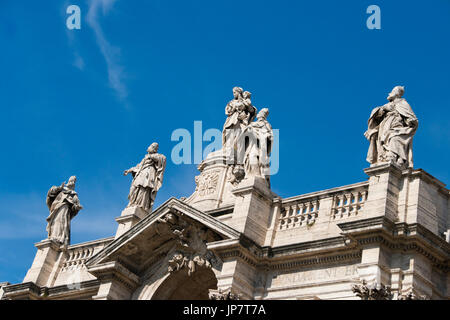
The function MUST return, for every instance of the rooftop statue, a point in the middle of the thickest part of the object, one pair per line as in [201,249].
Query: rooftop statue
[258,146]
[240,112]
[147,179]
[390,131]
[63,204]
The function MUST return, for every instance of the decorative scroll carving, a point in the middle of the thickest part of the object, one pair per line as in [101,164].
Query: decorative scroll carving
[223,294]
[372,292]
[190,249]
[207,183]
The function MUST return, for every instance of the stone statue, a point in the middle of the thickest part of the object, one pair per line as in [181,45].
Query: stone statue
[240,112]
[63,204]
[258,143]
[147,179]
[390,131]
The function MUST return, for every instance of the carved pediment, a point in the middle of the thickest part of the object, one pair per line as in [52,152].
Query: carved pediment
[175,234]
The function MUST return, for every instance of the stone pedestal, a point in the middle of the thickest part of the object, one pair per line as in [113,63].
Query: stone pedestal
[129,217]
[212,187]
[252,208]
[383,193]
[47,256]
[116,281]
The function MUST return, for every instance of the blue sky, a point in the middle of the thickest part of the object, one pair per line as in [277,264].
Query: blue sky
[88,102]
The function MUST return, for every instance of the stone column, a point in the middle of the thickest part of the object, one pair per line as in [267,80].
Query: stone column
[44,262]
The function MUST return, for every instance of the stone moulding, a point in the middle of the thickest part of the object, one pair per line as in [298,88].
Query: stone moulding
[401,237]
[31,291]
[115,271]
[174,206]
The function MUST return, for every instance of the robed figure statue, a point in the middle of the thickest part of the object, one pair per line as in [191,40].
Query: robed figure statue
[390,131]
[240,112]
[257,141]
[63,203]
[147,179]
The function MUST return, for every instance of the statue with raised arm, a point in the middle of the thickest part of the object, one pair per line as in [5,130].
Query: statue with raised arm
[63,203]
[147,179]
[390,131]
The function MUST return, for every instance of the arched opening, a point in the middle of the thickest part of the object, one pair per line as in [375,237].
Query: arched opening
[181,286]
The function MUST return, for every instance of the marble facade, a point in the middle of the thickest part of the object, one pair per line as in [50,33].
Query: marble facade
[234,238]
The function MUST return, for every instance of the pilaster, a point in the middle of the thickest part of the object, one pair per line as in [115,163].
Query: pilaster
[383,192]
[47,256]
[116,281]
[252,209]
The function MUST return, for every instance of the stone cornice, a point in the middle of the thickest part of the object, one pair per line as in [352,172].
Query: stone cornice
[326,193]
[49,243]
[255,185]
[90,243]
[326,251]
[382,168]
[23,291]
[399,236]
[422,174]
[115,271]
[395,236]
[30,290]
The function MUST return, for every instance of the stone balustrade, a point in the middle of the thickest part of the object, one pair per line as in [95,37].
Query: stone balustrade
[349,203]
[298,213]
[304,210]
[73,267]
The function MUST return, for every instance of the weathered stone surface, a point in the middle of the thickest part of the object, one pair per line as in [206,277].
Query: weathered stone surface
[385,238]
[390,131]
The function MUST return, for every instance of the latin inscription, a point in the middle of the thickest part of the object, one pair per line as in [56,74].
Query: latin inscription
[314,275]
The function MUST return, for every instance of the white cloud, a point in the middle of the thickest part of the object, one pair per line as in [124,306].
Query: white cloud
[109,52]
[78,62]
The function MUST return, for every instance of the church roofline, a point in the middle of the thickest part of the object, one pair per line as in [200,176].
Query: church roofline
[326,191]
[170,205]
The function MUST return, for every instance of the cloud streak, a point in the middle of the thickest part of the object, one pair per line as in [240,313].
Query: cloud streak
[109,52]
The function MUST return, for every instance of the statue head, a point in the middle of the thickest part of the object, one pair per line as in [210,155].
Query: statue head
[247,95]
[71,182]
[263,113]
[153,148]
[237,92]
[397,92]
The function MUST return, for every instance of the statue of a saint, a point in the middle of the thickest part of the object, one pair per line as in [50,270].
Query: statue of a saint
[63,204]
[390,131]
[147,179]
[240,112]
[258,144]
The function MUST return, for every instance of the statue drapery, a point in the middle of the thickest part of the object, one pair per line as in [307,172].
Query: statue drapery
[64,205]
[390,131]
[147,179]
